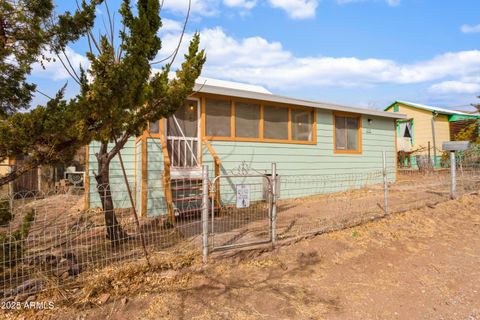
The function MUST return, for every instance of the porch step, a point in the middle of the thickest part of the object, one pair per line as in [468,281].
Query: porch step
[185,199]
[194,211]
[186,173]
[199,187]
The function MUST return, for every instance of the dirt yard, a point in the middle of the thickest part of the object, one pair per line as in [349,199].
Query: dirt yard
[420,264]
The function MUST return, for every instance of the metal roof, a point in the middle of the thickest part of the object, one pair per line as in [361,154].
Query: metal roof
[204,87]
[434,109]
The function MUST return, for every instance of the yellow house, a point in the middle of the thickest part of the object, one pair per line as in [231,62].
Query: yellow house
[426,128]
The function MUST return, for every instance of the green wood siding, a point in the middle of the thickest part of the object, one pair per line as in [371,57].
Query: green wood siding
[138,177]
[155,195]
[304,169]
[300,166]
[117,182]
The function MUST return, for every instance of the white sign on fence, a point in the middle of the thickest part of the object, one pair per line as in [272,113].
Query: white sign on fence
[243,196]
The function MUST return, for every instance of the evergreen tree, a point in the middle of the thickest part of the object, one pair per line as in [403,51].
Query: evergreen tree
[122,95]
[29,28]
[45,134]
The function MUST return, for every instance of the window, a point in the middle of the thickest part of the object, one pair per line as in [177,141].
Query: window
[154,127]
[347,134]
[247,120]
[302,125]
[218,117]
[275,123]
[252,121]
[185,122]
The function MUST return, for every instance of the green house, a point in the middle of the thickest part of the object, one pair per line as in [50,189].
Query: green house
[228,126]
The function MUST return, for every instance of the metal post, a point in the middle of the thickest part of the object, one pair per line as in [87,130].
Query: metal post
[434,141]
[453,175]
[11,190]
[274,204]
[385,183]
[205,212]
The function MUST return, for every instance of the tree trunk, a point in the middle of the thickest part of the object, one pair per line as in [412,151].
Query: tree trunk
[115,232]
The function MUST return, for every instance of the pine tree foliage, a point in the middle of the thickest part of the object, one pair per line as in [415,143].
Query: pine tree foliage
[122,94]
[28,29]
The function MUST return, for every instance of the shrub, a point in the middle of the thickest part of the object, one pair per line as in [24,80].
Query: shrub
[5,214]
[11,245]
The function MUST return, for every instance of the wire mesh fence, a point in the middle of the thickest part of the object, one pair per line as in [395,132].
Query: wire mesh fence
[51,240]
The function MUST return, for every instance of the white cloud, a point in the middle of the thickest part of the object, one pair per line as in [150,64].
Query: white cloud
[258,61]
[169,25]
[392,3]
[470,29]
[296,9]
[245,4]
[449,87]
[54,68]
[205,8]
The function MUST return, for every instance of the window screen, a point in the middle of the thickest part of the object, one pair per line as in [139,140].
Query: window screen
[346,133]
[275,123]
[218,114]
[302,125]
[154,127]
[185,122]
[247,120]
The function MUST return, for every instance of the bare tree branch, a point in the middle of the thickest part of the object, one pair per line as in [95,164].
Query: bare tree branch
[173,55]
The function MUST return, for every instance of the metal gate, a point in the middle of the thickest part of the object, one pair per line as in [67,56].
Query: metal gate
[239,210]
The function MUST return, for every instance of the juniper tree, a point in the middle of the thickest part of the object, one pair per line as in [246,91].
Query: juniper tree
[122,93]
[29,29]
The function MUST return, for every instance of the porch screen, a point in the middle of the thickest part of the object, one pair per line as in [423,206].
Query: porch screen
[302,125]
[247,120]
[218,120]
[346,133]
[185,121]
[275,123]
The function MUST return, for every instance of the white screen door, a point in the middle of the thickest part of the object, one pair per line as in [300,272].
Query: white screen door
[182,135]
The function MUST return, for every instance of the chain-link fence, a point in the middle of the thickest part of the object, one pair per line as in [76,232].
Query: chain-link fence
[50,240]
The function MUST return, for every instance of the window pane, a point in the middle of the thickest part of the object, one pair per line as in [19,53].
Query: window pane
[247,120]
[187,121]
[302,125]
[154,127]
[352,133]
[275,123]
[218,118]
[340,134]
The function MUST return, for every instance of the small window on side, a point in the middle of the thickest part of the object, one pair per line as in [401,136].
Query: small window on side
[347,131]
[154,127]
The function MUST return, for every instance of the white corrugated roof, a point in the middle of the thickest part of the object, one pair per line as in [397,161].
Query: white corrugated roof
[235,91]
[231,85]
[431,108]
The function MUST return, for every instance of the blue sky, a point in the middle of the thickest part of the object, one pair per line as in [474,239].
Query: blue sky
[355,52]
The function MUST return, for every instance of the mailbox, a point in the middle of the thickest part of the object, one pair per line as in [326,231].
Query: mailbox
[455,145]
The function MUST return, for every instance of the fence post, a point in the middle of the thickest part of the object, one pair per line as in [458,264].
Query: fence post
[205,212]
[453,175]
[11,191]
[385,183]
[274,204]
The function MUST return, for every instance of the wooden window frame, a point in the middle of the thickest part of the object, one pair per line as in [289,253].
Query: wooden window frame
[359,133]
[261,124]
